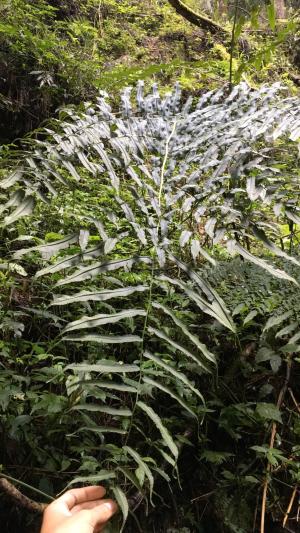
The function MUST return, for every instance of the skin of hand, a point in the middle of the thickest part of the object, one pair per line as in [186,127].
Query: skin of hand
[79,511]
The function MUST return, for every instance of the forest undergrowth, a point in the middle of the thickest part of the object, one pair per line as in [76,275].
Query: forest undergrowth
[149,268]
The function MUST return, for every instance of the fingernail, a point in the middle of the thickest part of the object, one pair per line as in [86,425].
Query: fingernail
[108,505]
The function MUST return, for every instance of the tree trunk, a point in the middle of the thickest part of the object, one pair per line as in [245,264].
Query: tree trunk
[198,20]
[280,9]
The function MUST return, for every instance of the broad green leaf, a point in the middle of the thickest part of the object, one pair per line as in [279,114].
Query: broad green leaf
[268,411]
[104,339]
[175,373]
[168,391]
[102,319]
[168,440]
[122,503]
[101,409]
[103,366]
[139,460]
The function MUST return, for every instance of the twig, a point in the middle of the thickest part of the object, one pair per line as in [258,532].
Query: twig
[294,400]
[202,496]
[290,506]
[271,445]
[19,498]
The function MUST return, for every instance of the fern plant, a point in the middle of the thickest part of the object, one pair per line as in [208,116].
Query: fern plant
[144,193]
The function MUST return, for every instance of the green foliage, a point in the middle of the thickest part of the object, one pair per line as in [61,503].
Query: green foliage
[111,326]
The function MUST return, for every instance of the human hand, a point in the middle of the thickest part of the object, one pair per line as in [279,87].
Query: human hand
[79,511]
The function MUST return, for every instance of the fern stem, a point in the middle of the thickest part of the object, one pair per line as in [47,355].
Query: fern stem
[148,308]
[163,168]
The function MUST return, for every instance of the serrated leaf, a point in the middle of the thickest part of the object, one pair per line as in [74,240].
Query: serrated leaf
[162,429]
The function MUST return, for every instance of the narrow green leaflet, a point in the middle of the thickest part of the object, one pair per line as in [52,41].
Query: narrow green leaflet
[98,296]
[136,456]
[102,476]
[235,246]
[122,502]
[15,200]
[94,270]
[104,339]
[101,409]
[132,478]
[69,261]
[102,429]
[109,385]
[24,209]
[162,429]
[168,391]
[271,11]
[212,309]
[175,373]
[217,306]
[51,248]
[193,338]
[103,366]
[100,320]
[178,347]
